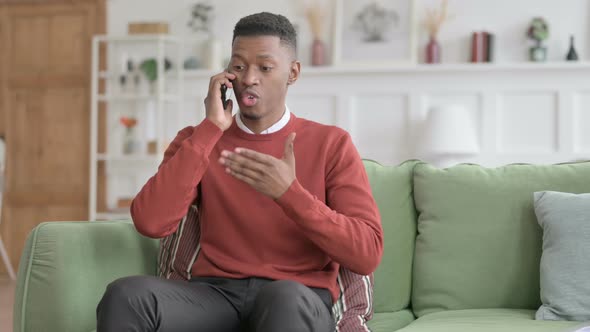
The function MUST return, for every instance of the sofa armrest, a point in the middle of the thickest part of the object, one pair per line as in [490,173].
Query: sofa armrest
[66,266]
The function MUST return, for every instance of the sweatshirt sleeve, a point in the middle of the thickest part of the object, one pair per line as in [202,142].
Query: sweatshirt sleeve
[163,201]
[348,226]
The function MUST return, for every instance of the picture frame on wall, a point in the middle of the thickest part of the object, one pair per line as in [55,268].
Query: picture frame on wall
[374,33]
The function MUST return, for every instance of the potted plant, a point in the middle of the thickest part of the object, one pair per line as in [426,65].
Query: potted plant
[129,142]
[538,31]
[434,20]
[316,15]
[149,67]
[201,21]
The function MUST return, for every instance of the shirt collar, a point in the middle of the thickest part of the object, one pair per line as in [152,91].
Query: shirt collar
[274,128]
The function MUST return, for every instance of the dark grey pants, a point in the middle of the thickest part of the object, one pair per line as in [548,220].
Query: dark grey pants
[144,303]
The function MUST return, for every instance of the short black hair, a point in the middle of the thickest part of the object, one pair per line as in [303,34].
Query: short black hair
[267,24]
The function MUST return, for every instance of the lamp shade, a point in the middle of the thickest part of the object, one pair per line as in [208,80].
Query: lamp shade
[449,130]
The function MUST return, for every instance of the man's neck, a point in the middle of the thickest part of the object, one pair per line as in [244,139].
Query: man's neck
[260,125]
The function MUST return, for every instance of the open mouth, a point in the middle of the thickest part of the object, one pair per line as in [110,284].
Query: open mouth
[249,99]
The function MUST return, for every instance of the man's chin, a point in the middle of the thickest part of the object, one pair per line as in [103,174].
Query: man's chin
[250,113]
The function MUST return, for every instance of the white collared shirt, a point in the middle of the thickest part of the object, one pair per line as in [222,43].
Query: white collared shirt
[274,128]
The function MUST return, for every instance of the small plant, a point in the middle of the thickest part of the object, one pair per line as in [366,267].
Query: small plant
[128,122]
[150,68]
[435,18]
[130,144]
[538,30]
[315,15]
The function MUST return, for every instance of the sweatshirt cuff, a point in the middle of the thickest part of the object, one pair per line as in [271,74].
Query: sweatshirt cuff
[205,136]
[296,201]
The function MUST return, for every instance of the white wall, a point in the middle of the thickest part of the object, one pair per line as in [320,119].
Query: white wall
[508,19]
[522,113]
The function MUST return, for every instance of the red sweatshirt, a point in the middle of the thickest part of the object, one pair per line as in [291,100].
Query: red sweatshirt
[325,219]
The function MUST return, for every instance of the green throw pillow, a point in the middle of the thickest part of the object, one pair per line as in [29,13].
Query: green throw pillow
[565,262]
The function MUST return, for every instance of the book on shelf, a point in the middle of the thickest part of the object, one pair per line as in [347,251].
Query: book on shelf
[482,47]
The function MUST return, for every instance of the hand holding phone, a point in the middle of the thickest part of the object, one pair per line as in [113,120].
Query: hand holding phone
[220,111]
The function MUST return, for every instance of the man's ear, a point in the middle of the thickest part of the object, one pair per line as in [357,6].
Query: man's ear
[294,72]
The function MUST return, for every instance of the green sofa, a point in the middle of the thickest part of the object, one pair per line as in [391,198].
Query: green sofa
[462,251]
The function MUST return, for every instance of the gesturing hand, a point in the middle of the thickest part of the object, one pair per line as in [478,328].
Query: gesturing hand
[265,173]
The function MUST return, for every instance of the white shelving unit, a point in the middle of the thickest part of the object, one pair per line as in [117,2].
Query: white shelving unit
[164,102]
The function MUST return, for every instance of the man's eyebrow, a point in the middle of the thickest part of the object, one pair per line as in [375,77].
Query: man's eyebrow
[265,56]
[237,55]
[259,56]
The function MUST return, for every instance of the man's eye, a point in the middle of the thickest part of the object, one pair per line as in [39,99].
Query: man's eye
[238,67]
[266,68]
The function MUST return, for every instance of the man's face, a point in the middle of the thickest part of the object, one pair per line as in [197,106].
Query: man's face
[264,67]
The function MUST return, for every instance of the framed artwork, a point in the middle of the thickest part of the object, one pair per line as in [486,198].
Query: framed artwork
[373,32]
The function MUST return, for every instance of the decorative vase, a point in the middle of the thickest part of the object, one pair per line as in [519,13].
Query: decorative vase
[433,51]
[213,54]
[152,87]
[318,53]
[572,55]
[129,141]
[538,53]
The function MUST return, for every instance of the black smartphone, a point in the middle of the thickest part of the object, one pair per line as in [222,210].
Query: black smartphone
[223,96]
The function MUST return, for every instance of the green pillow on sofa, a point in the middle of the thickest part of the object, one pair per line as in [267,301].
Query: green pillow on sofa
[479,242]
[565,261]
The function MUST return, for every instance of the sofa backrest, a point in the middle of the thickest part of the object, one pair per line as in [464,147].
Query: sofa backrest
[478,243]
[392,189]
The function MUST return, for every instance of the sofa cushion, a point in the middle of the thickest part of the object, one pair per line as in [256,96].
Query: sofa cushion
[392,189]
[479,243]
[486,320]
[390,321]
[565,268]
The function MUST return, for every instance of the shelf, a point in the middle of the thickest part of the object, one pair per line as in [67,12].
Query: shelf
[131,97]
[112,172]
[447,68]
[420,68]
[138,38]
[109,75]
[129,158]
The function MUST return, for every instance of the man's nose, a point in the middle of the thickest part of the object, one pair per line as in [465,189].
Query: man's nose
[250,76]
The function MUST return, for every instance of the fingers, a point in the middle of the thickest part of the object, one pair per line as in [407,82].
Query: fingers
[216,81]
[236,169]
[241,164]
[216,84]
[256,156]
[223,75]
[241,168]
